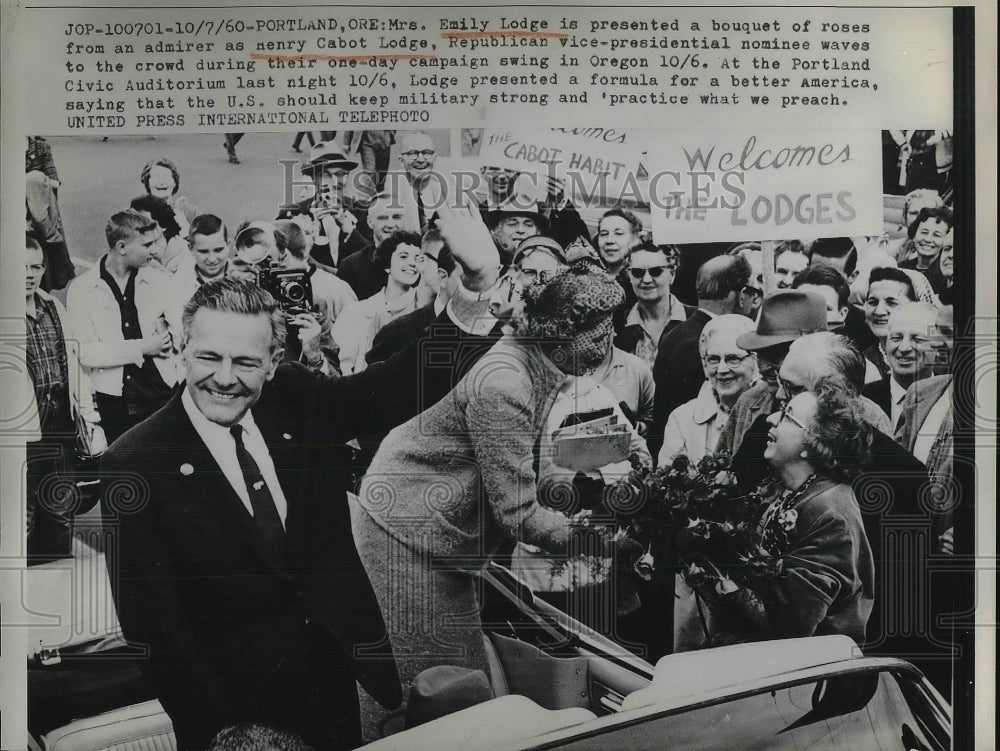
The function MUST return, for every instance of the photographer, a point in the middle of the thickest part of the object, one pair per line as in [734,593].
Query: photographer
[340,224]
[261,256]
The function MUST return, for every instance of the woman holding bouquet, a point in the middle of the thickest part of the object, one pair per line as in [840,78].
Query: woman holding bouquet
[825,584]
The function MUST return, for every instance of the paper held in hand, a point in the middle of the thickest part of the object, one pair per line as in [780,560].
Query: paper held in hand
[588,446]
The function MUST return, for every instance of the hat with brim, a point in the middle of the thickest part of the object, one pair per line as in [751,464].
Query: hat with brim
[518,206]
[436,692]
[540,242]
[325,155]
[784,317]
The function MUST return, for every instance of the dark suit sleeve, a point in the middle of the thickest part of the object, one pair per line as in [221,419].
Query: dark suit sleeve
[385,343]
[565,225]
[143,570]
[678,376]
[371,403]
[749,463]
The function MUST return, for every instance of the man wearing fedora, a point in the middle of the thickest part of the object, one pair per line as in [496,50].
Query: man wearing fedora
[512,222]
[340,219]
[890,488]
[784,317]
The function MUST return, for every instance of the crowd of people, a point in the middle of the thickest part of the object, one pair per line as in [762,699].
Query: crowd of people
[334,417]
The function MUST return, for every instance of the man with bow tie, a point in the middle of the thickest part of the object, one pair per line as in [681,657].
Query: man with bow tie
[233,560]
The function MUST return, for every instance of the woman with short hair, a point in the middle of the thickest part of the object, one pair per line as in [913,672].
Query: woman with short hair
[400,256]
[816,446]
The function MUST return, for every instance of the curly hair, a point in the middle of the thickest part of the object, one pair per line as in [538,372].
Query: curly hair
[839,439]
[634,222]
[573,300]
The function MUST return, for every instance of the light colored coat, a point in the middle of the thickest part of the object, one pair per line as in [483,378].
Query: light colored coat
[104,351]
[466,466]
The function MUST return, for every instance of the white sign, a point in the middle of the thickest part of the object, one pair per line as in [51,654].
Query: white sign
[593,162]
[708,186]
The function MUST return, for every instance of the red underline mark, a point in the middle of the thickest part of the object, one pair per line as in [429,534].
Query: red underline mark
[315,56]
[480,34]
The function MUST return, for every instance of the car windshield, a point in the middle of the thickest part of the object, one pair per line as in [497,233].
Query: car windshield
[859,709]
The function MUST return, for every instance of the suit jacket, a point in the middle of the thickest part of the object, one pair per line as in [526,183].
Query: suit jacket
[677,372]
[881,393]
[438,358]
[358,240]
[889,491]
[234,635]
[827,583]
[856,328]
[359,271]
[919,400]
[395,335]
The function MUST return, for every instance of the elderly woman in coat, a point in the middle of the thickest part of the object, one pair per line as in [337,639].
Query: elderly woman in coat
[826,585]
[453,486]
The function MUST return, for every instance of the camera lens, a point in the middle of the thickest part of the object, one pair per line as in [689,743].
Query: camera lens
[293,291]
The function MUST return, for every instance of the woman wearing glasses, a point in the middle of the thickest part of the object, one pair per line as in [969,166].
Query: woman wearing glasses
[816,444]
[656,310]
[693,429]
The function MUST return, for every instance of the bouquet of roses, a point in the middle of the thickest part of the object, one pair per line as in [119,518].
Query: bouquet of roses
[699,513]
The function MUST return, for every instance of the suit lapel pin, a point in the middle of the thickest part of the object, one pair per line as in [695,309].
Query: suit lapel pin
[187,469]
[287,436]
[258,485]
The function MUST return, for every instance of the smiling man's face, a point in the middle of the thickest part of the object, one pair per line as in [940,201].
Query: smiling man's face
[228,358]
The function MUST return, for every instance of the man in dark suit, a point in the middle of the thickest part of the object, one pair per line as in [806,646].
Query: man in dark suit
[386,217]
[677,370]
[235,565]
[341,227]
[890,491]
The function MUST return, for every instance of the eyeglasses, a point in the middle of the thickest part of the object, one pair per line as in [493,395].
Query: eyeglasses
[733,361]
[790,390]
[426,153]
[654,271]
[537,276]
[786,415]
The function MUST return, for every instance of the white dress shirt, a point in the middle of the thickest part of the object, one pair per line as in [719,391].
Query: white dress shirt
[222,446]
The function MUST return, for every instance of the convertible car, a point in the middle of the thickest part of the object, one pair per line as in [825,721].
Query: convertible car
[558,685]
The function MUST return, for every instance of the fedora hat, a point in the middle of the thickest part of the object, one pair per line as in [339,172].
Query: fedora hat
[325,154]
[436,692]
[784,317]
[518,205]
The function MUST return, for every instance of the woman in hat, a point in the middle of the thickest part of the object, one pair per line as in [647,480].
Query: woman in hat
[457,484]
